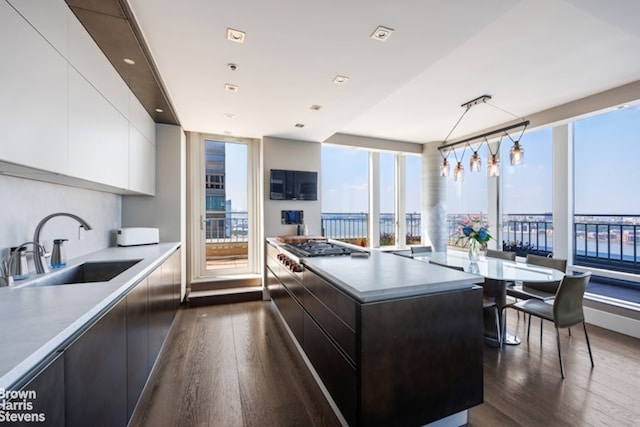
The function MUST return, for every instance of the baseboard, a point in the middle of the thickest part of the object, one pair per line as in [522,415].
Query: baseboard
[614,322]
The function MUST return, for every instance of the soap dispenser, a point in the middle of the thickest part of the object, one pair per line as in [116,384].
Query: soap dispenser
[58,255]
[18,267]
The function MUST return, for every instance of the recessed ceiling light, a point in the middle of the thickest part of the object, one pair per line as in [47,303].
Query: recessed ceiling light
[231,88]
[159,110]
[229,115]
[236,35]
[299,125]
[340,80]
[129,61]
[316,107]
[381,33]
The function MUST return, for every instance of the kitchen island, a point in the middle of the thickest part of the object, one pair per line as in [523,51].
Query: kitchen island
[74,345]
[391,340]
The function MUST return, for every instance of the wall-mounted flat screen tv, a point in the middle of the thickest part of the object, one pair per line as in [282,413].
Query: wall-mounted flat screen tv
[293,185]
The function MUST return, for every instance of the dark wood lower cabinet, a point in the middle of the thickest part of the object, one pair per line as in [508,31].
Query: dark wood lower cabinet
[95,373]
[97,379]
[41,399]
[138,367]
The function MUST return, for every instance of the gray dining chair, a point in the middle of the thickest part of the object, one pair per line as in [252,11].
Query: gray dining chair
[489,302]
[420,250]
[565,312]
[538,290]
[490,253]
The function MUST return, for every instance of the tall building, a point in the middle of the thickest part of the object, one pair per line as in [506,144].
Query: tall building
[215,189]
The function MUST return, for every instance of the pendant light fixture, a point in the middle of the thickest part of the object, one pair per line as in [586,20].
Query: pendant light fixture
[444,168]
[458,172]
[475,164]
[516,153]
[493,167]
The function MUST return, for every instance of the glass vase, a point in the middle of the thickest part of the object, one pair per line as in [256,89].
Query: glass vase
[474,250]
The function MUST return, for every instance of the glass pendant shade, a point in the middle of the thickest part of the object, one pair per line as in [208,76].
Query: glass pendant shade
[516,154]
[494,166]
[475,163]
[444,168]
[458,172]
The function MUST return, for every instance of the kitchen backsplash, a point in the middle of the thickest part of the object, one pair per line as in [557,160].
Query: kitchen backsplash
[25,202]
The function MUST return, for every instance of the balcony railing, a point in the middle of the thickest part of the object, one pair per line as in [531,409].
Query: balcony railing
[607,241]
[601,241]
[226,227]
[353,227]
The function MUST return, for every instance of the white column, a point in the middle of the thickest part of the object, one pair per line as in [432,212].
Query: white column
[494,205]
[374,199]
[562,192]
[434,198]
[400,202]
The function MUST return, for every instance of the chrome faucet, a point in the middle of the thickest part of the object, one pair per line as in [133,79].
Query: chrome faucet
[38,254]
[41,267]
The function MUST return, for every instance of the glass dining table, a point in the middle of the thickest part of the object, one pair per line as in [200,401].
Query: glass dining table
[498,271]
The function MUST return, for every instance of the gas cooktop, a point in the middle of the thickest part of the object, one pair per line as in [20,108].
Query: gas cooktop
[316,249]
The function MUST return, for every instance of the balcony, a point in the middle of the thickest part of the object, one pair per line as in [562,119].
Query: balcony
[227,236]
[354,228]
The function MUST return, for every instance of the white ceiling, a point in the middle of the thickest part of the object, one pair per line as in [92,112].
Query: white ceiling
[529,55]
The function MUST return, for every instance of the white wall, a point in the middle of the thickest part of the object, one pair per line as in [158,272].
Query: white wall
[25,202]
[167,209]
[294,155]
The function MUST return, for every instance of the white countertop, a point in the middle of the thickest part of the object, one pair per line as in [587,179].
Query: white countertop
[384,276]
[36,321]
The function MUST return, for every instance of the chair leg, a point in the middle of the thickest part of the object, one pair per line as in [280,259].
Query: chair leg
[541,329]
[560,352]
[584,325]
[528,328]
[499,329]
[569,331]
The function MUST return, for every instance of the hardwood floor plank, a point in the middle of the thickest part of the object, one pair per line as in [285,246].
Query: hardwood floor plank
[235,365]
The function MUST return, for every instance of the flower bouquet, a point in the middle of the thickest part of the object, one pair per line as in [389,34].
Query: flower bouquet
[474,232]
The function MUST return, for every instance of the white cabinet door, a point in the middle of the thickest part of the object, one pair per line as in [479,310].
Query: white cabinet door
[98,136]
[142,163]
[88,59]
[33,101]
[49,17]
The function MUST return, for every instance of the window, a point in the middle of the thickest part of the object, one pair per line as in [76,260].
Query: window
[346,194]
[469,196]
[607,218]
[413,199]
[527,221]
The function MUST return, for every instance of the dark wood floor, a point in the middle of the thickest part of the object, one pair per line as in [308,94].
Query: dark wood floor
[233,365]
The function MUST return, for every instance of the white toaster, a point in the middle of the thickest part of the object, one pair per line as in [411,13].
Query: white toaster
[133,236]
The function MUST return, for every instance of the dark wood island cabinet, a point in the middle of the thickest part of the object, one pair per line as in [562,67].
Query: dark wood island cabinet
[393,354]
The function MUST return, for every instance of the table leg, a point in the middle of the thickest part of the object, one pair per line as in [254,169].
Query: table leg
[507,338]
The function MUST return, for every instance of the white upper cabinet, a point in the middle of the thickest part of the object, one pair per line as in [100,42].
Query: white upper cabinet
[142,163]
[98,136]
[139,118]
[46,16]
[63,107]
[86,57]
[33,100]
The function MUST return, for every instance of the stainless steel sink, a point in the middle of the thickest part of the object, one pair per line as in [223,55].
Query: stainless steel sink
[88,272]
